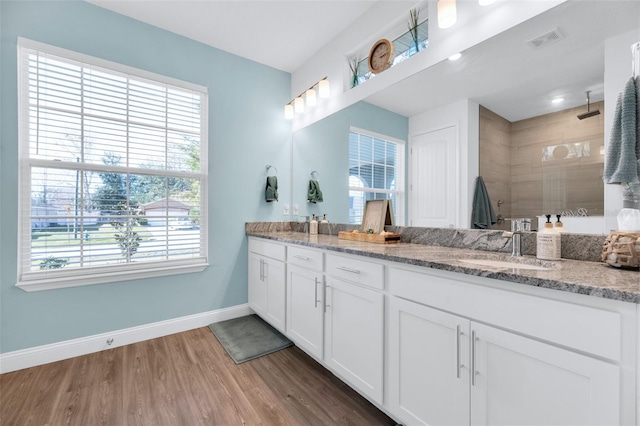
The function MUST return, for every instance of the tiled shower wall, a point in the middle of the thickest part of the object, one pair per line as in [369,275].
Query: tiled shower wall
[569,178]
[495,162]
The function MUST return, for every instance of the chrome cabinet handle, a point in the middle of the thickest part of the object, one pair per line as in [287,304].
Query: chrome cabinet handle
[344,268]
[261,270]
[473,358]
[326,298]
[297,256]
[457,351]
[315,297]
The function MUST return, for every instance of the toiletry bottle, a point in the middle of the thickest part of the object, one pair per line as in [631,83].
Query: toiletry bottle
[559,226]
[548,242]
[324,218]
[313,226]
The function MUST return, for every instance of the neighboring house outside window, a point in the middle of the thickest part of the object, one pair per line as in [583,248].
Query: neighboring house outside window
[376,171]
[113,171]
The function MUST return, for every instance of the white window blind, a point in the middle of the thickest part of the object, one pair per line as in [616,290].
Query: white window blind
[113,171]
[376,171]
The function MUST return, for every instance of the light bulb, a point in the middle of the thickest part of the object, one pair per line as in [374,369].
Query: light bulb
[288,111]
[298,105]
[310,96]
[324,88]
[447,15]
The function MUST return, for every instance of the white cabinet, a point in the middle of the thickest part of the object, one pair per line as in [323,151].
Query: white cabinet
[525,382]
[451,369]
[460,350]
[267,284]
[305,300]
[428,365]
[354,335]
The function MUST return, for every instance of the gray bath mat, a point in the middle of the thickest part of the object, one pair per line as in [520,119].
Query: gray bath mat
[249,337]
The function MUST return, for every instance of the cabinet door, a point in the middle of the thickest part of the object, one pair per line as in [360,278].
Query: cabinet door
[525,382]
[275,277]
[428,365]
[305,309]
[257,285]
[354,322]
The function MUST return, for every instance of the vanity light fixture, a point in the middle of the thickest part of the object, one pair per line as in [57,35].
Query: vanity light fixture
[455,56]
[288,111]
[310,97]
[447,15]
[324,88]
[321,89]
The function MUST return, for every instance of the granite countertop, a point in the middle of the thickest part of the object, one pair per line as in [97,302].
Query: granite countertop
[589,278]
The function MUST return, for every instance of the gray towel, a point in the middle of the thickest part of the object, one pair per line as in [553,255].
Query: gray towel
[314,195]
[622,163]
[482,215]
[271,192]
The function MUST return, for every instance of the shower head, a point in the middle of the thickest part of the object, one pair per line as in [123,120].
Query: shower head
[589,113]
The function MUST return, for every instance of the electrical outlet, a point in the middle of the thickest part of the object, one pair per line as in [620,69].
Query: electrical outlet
[295,210]
[285,209]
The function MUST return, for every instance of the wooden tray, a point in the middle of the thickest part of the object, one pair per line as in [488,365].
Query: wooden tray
[370,238]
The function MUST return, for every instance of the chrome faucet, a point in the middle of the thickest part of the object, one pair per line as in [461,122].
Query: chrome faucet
[518,226]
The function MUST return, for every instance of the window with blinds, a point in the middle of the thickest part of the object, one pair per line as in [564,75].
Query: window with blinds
[376,171]
[113,171]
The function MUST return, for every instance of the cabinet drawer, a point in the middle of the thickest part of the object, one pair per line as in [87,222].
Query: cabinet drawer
[589,329]
[304,257]
[355,270]
[266,248]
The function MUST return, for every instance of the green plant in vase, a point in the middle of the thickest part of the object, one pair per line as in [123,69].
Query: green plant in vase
[414,16]
[353,65]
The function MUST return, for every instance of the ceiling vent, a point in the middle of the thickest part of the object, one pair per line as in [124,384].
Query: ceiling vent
[546,38]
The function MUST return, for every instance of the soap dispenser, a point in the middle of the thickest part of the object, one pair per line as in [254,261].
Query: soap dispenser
[559,226]
[324,219]
[548,242]
[313,226]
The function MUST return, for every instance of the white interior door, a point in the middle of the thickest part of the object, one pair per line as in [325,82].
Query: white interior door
[433,187]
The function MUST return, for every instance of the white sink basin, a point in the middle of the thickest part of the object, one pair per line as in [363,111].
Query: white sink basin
[506,264]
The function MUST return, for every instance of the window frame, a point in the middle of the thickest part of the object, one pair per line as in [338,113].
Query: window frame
[30,280]
[400,194]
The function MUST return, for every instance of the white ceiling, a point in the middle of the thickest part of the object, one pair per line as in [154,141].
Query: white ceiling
[282,34]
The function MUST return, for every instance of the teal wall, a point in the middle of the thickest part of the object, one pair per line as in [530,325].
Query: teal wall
[324,147]
[246,132]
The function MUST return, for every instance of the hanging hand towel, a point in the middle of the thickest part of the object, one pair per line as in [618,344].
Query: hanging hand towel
[482,215]
[622,163]
[314,195]
[271,192]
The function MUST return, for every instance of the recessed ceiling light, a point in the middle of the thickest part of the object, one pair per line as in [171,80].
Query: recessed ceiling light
[455,56]
[557,100]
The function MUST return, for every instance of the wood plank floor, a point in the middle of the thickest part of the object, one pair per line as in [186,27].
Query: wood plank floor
[182,379]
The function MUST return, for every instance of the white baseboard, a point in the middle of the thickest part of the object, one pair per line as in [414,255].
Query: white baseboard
[25,358]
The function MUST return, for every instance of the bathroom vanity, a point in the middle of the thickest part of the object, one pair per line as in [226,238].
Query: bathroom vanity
[437,335]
